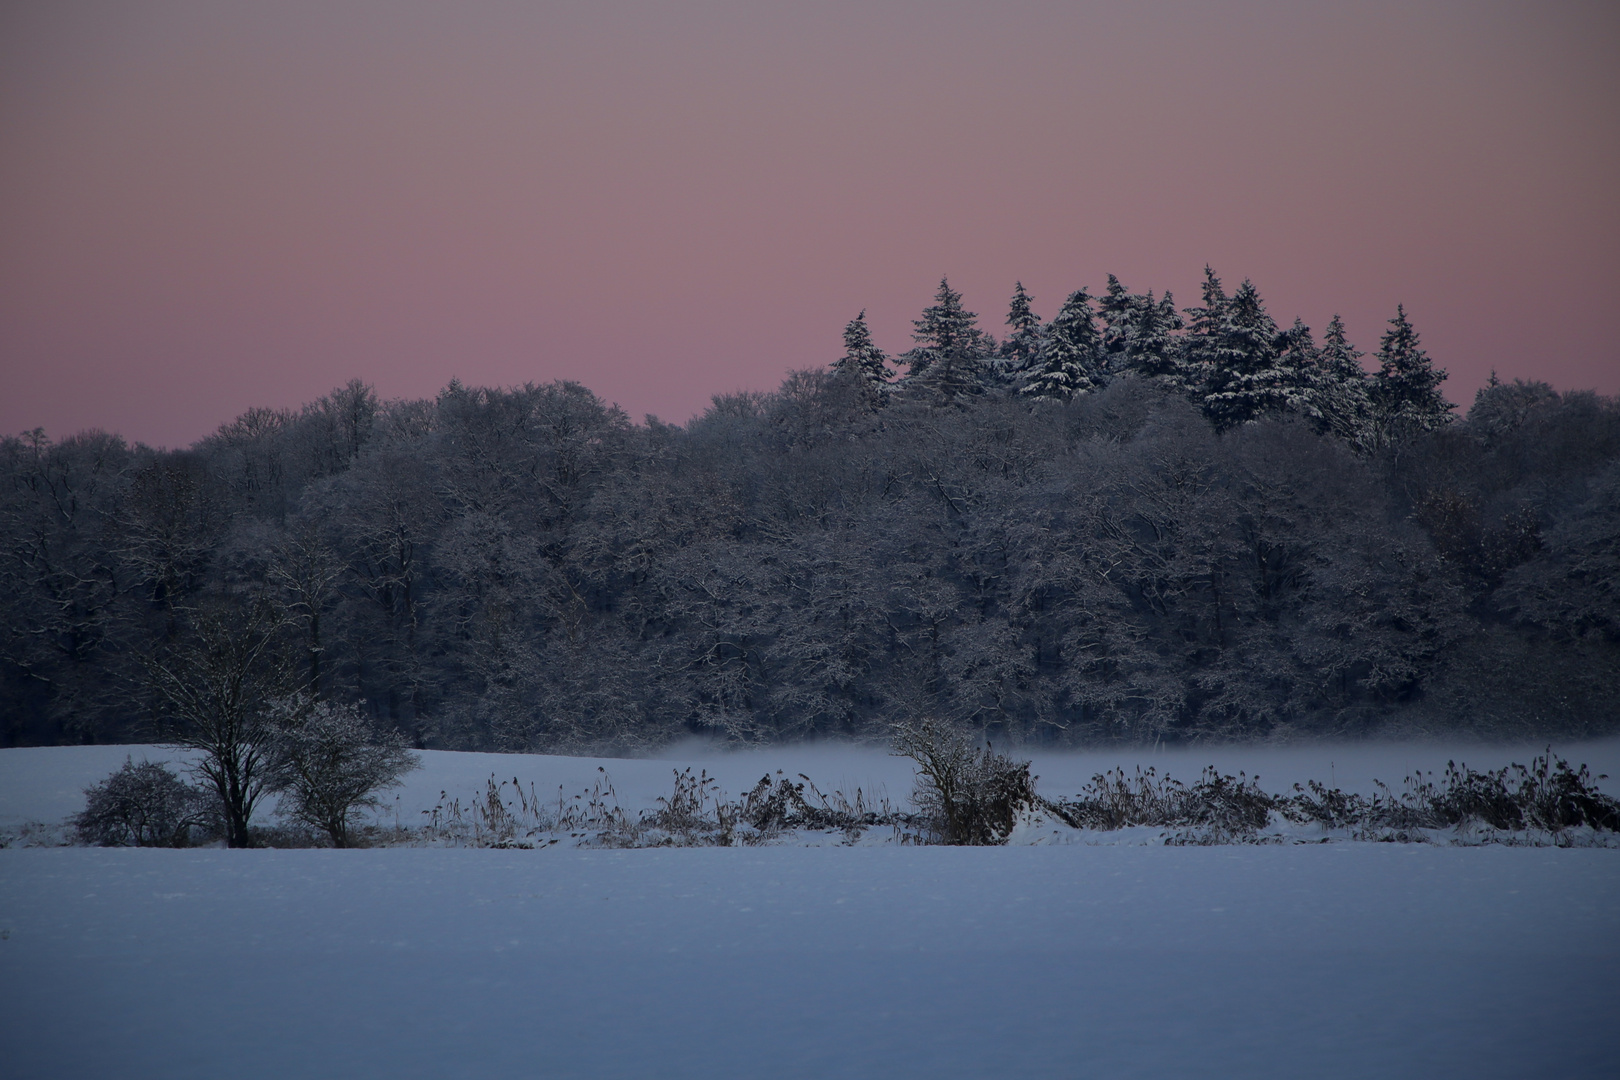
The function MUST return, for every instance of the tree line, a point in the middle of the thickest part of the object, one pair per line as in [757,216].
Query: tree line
[1132,522]
[1227,356]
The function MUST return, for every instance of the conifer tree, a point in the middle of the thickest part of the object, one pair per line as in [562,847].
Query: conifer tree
[862,360]
[1203,337]
[1139,335]
[1338,356]
[1204,323]
[946,331]
[1407,385]
[951,348]
[1120,313]
[1297,362]
[1070,360]
[1238,359]
[1154,351]
[1341,398]
[1024,342]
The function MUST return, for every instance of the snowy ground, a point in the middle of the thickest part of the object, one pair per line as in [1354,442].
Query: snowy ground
[1312,960]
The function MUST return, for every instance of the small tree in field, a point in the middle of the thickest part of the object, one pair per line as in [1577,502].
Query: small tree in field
[331,760]
[212,688]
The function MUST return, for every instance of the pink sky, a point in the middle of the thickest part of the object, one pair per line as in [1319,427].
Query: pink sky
[206,207]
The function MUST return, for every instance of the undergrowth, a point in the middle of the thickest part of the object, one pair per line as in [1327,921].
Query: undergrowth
[1221,808]
[1546,797]
[695,813]
[964,794]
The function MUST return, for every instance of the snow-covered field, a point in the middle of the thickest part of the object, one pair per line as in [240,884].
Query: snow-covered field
[1342,959]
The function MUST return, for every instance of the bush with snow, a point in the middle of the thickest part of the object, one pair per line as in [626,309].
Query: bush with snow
[967,795]
[330,762]
[145,805]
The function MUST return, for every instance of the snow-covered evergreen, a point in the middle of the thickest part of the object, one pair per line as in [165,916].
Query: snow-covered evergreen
[1238,358]
[1070,361]
[1118,310]
[862,361]
[1023,341]
[1297,360]
[948,360]
[1139,335]
[1340,395]
[1200,344]
[1407,384]
[1154,350]
[946,330]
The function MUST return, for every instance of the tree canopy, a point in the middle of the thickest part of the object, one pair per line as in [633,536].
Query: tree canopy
[1209,527]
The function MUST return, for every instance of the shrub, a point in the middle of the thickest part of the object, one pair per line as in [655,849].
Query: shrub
[1557,797]
[331,760]
[774,805]
[145,805]
[696,812]
[967,795]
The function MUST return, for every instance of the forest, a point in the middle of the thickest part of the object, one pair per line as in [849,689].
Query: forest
[1131,523]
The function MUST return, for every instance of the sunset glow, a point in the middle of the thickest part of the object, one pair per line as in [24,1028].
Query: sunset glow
[206,207]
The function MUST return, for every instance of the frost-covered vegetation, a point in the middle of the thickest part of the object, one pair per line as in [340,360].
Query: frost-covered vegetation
[327,763]
[962,794]
[1546,801]
[1133,523]
[146,805]
[522,931]
[971,796]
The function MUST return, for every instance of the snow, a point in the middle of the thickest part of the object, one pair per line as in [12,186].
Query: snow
[1309,960]
[1338,960]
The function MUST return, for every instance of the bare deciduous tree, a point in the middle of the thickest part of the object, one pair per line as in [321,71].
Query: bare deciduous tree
[214,687]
